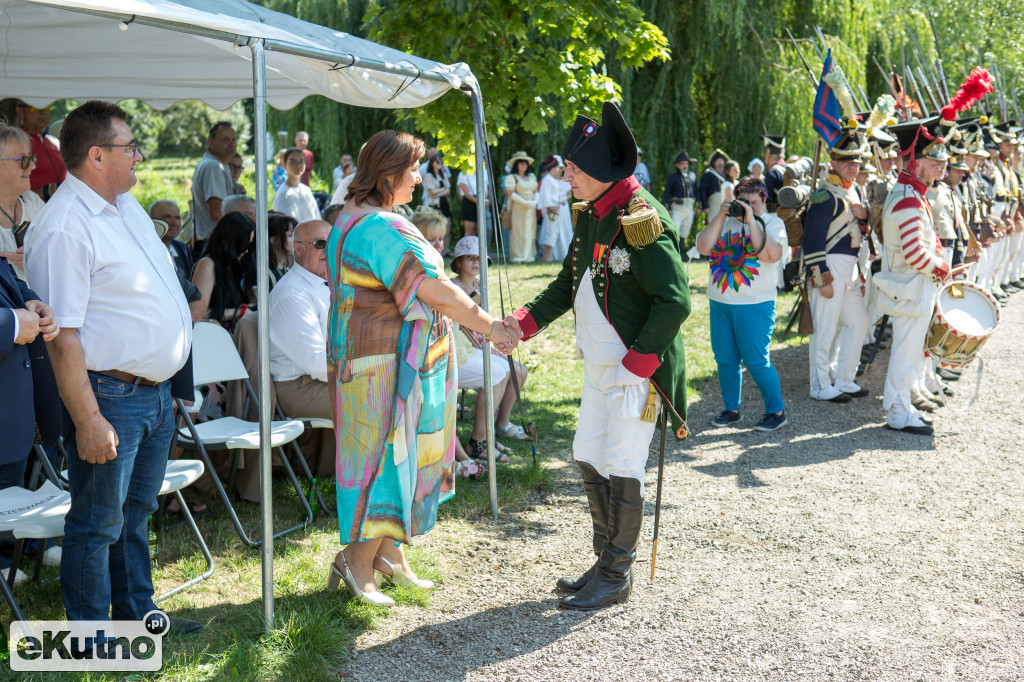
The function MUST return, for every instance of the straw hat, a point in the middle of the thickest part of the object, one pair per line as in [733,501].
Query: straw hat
[519,156]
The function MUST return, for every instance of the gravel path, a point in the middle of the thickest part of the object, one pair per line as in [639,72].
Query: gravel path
[834,549]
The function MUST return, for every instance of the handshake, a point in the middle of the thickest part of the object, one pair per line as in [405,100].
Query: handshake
[505,334]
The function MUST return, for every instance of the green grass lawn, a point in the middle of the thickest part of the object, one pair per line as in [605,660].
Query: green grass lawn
[313,629]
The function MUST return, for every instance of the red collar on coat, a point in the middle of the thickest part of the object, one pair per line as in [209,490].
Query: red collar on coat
[912,180]
[617,196]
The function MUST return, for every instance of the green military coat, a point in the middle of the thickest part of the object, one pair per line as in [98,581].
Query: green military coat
[641,287]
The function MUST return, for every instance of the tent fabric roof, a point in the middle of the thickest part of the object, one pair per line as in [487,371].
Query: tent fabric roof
[52,53]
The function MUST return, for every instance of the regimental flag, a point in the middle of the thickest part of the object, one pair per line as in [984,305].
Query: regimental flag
[827,117]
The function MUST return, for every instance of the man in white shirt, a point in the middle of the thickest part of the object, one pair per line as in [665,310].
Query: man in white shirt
[123,352]
[212,182]
[299,306]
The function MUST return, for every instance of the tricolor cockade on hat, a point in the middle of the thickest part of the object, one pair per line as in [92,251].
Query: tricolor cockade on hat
[605,152]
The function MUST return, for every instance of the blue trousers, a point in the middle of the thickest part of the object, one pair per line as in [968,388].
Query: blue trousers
[743,333]
[105,566]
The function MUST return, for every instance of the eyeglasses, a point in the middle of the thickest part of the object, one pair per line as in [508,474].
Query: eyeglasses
[132,147]
[235,166]
[26,161]
[318,244]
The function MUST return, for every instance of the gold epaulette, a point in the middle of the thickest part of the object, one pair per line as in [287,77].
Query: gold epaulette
[641,224]
[578,206]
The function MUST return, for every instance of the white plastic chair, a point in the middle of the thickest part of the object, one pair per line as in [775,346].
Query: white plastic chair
[215,360]
[30,515]
[182,473]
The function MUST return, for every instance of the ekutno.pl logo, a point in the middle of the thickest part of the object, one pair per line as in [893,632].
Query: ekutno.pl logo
[89,645]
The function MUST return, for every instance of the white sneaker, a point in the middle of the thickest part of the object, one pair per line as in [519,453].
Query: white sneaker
[831,394]
[51,557]
[20,577]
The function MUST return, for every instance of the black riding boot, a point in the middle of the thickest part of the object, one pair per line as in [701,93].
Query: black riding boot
[611,582]
[596,487]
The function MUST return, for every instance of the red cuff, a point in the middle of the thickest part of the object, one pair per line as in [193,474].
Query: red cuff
[641,365]
[526,323]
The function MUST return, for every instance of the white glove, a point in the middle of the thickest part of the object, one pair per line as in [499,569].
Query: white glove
[634,397]
[518,199]
[623,377]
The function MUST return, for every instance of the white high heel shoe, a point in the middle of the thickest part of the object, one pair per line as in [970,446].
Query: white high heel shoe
[399,577]
[377,598]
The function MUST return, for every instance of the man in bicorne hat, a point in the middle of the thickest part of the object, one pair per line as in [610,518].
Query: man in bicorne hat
[681,196]
[709,192]
[775,168]
[834,229]
[913,262]
[626,285]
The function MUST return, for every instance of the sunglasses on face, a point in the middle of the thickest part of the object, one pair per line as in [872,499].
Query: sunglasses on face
[318,244]
[26,161]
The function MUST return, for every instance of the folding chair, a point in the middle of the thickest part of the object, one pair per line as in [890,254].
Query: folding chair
[30,515]
[245,341]
[214,360]
[182,473]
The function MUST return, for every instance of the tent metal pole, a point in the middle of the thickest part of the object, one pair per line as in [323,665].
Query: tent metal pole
[482,189]
[259,87]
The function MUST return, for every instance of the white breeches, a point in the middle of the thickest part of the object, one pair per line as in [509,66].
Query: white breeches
[840,324]
[613,444]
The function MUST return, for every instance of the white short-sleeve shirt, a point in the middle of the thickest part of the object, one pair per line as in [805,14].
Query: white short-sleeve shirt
[104,271]
[299,306]
[298,202]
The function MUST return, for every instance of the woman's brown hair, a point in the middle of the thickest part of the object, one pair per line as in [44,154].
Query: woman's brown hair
[384,158]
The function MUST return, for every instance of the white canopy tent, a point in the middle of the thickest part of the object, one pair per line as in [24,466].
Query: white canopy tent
[221,51]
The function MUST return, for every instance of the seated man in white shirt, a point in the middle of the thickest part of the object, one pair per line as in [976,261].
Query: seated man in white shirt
[299,304]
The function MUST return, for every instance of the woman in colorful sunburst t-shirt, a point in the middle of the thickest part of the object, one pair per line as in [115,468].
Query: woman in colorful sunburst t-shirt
[742,286]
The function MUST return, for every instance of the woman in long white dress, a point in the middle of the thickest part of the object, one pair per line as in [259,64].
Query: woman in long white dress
[520,194]
[553,202]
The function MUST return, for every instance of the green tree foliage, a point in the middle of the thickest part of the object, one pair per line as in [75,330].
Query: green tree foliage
[188,123]
[537,61]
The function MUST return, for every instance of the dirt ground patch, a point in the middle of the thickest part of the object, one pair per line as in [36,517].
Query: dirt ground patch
[833,549]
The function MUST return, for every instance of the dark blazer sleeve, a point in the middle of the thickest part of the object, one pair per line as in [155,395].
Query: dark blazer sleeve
[6,332]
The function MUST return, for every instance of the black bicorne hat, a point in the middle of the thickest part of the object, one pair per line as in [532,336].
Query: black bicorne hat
[681,157]
[605,152]
[774,143]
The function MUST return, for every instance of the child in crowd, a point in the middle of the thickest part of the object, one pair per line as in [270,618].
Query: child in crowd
[434,226]
[466,265]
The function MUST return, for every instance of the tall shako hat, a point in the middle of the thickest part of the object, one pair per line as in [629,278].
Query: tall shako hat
[973,138]
[605,152]
[1003,132]
[717,154]
[921,138]
[851,145]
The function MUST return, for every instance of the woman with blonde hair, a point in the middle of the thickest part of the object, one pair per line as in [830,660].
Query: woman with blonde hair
[391,363]
[18,203]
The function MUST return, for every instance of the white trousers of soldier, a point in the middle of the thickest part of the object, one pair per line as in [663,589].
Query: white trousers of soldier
[1016,249]
[682,216]
[842,320]
[610,435]
[905,362]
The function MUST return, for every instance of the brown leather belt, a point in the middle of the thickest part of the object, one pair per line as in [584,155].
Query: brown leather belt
[128,378]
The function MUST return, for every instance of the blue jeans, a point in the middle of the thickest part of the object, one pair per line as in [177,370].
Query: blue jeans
[105,565]
[744,333]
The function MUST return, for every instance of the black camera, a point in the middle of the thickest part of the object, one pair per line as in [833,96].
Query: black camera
[736,210]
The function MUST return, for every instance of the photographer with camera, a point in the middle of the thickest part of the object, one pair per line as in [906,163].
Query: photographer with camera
[744,244]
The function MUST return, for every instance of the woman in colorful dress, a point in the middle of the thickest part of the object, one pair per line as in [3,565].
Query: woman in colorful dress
[521,198]
[391,361]
[743,253]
